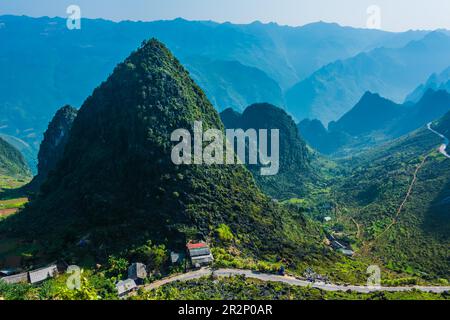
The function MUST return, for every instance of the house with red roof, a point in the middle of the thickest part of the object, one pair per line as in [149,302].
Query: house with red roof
[199,253]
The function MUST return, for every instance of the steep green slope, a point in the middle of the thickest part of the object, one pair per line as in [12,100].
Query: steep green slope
[371,113]
[117,186]
[295,171]
[437,81]
[12,163]
[443,125]
[394,205]
[231,84]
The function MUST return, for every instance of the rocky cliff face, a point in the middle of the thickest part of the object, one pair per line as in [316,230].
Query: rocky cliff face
[53,144]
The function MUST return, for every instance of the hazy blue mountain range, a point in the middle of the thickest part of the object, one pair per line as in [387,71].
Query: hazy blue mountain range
[55,66]
[374,120]
[232,84]
[436,81]
[392,72]
[375,186]
[52,146]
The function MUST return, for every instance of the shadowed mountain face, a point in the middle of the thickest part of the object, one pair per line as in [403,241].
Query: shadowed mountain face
[415,239]
[117,183]
[433,105]
[55,140]
[294,169]
[375,120]
[392,72]
[443,125]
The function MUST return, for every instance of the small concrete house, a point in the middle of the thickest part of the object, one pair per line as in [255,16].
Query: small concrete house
[137,272]
[126,286]
[199,253]
[16,278]
[42,274]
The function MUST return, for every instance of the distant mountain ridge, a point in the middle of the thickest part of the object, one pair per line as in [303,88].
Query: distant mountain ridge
[117,185]
[415,241]
[52,146]
[392,72]
[231,84]
[374,120]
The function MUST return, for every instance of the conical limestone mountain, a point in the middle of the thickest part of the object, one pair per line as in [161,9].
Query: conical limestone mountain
[116,181]
[295,170]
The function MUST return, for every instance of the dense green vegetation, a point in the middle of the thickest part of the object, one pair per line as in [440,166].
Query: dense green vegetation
[373,121]
[53,144]
[297,176]
[110,187]
[332,90]
[12,163]
[240,288]
[411,239]
[117,188]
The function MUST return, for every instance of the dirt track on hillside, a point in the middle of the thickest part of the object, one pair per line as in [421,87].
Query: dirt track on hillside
[7,212]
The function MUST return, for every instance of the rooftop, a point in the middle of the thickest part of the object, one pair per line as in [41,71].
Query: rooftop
[199,245]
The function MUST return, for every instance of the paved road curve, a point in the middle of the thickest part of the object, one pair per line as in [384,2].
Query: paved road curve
[443,146]
[286,279]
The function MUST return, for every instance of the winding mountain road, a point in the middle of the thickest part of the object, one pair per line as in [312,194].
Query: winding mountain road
[443,146]
[205,272]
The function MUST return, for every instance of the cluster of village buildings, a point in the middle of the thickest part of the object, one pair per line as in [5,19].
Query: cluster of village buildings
[10,276]
[198,255]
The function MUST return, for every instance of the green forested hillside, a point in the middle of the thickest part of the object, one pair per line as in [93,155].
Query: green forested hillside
[296,174]
[437,81]
[52,146]
[394,205]
[232,84]
[12,163]
[373,121]
[57,66]
[117,186]
[443,125]
[239,288]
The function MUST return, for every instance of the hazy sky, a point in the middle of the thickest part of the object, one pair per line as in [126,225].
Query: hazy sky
[396,15]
